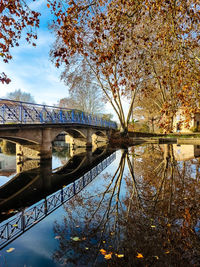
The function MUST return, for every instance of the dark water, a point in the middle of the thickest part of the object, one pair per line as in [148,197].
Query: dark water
[137,207]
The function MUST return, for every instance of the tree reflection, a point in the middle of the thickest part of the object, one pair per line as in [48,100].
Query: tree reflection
[146,214]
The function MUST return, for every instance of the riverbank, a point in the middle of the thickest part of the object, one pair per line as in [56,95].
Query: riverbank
[137,138]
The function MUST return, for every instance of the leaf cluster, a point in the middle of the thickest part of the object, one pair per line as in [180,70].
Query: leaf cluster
[15,17]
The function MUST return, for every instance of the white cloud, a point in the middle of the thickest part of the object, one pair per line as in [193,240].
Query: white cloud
[37,5]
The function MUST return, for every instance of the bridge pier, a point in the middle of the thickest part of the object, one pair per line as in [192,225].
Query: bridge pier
[75,142]
[45,147]
[40,151]
[99,139]
[26,152]
[80,141]
[89,139]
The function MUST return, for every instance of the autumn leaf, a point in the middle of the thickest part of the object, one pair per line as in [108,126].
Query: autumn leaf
[57,237]
[10,250]
[11,211]
[108,256]
[103,251]
[119,255]
[76,238]
[139,255]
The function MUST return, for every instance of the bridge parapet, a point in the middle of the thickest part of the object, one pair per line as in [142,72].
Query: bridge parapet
[17,112]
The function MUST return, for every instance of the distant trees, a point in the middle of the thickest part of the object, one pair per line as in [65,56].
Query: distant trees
[84,94]
[15,16]
[85,100]
[147,110]
[19,95]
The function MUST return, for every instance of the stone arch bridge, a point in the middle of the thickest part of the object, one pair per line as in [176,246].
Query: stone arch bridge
[34,127]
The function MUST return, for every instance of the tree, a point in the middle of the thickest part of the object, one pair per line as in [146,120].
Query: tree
[88,33]
[171,33]
[134,46]
[88,99]
[147,109]
[18,95]
[16,16]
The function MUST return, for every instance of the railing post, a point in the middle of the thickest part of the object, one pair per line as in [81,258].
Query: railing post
[74,188]
[20,112]
[72,115]
[24,116]
[3,113]
[7,231]
[83,180]
[62,197]
[44,114]
[82,117]
[91,178]
[45,207]
[61,116]
[22,221]
[41,117]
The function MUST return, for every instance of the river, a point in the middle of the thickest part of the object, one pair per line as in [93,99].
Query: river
[136,206]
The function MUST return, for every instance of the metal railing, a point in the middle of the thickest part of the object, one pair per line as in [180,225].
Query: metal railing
[21,222]
[26,113]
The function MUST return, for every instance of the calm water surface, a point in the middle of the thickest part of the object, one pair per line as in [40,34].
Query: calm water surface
[141,210]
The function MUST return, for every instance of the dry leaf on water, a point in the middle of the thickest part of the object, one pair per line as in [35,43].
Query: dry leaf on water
[119,255]
[108,256]
[139,255]
[10,250]
[76,238]
[103,251]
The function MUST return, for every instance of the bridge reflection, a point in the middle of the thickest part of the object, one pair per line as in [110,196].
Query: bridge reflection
[43,191]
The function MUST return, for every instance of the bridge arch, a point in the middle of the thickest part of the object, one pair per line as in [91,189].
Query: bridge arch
[100,133]
[74,133]
[19,140]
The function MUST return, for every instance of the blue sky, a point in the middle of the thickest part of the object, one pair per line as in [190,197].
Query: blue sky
[31,69]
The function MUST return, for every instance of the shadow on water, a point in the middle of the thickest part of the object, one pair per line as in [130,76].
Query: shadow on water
[46,190]
[146,214]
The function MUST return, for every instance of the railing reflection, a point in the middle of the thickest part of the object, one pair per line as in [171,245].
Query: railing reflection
[20,223]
